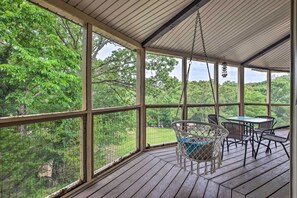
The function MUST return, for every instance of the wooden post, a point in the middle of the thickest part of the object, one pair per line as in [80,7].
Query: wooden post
[293,102]
[216,85]
[241,89]
[86,140]
[184,86]
[140,99]
[268,97]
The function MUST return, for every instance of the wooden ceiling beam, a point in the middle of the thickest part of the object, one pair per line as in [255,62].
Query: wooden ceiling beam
[182,15]
[266,50]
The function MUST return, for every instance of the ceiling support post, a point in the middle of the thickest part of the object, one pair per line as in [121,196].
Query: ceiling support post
[86,136]
[293,105]
[184,88]
[241,90]
[140,99]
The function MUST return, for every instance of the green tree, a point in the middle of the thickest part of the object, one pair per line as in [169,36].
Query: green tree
[40,72]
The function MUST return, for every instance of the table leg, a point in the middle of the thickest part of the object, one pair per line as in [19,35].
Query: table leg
[253,140]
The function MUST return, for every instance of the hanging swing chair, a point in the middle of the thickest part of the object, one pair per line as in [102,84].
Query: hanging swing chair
[198,141]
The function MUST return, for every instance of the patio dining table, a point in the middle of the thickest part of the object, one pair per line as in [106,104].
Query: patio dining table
[250,121]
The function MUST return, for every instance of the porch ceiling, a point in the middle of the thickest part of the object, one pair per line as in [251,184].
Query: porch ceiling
[233,30]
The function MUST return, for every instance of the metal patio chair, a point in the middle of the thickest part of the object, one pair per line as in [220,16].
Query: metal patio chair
[269,134]
[264,126]
[238,134]
[214,119]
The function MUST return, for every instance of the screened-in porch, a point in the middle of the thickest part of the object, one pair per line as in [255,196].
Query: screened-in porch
[89,90]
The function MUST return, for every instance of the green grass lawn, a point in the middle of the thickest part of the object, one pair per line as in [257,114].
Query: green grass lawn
[154,136]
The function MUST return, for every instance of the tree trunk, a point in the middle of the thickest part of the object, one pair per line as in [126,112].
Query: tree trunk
[22,128]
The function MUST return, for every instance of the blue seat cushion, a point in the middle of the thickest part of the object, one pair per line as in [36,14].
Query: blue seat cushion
[191,145]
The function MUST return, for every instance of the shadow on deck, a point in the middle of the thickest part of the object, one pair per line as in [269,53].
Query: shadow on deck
[155,174]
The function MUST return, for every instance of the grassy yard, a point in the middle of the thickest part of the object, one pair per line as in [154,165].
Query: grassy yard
[154,136]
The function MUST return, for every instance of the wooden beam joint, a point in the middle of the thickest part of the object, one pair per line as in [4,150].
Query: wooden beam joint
[182,15]
[266,50]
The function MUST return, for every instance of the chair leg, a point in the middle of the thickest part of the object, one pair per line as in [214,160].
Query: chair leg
[177,155]
[285,150]
[222,149]
[275,144]
[253,148]
[245,150]
[227,144]
[258,147]
[268,147]
[235,142]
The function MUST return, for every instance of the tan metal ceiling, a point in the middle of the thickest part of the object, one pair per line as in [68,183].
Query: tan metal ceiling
[234,30]
[278,58]
[135,18]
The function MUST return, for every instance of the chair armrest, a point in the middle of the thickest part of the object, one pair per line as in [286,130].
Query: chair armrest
[282,127]
[271,131]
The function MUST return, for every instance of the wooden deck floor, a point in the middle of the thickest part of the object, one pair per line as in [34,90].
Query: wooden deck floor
[155,174]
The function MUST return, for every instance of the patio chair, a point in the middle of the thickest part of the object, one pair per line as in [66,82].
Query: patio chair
[237,132]
[269,134]
[266,125]
[199,142]
[213,119]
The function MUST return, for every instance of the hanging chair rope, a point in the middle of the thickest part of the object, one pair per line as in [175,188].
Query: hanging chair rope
[206,60]
[198,20]
[189,67]
[198,142]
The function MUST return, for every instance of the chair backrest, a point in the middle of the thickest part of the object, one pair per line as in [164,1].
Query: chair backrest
[236,130]
[216,119]
[267,125]
[213,119]
[200,141]
[285,128]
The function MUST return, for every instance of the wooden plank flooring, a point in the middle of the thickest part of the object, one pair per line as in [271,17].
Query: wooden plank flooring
[155,173]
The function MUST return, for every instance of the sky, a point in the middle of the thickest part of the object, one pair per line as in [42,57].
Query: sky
[199,70]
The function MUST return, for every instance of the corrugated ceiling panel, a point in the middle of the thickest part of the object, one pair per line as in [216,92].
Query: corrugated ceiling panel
[88,5]
[278,58]
[153,19]
[233,31]
[74,2]
[134,18]
[140,23]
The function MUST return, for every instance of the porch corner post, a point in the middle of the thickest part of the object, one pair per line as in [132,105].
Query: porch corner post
[268,97]
[293,102]
[184,87]
[216,86]
[140,99]
[86,134]
[241,89]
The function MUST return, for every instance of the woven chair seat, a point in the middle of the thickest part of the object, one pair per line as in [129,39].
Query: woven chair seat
[199,142]
[274,138]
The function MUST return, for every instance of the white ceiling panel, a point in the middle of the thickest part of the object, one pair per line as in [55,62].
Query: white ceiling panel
[278,58]
[233,30]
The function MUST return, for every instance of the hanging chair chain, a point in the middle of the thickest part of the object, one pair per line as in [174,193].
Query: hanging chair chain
[189,67]
[206,60]
[198,20]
